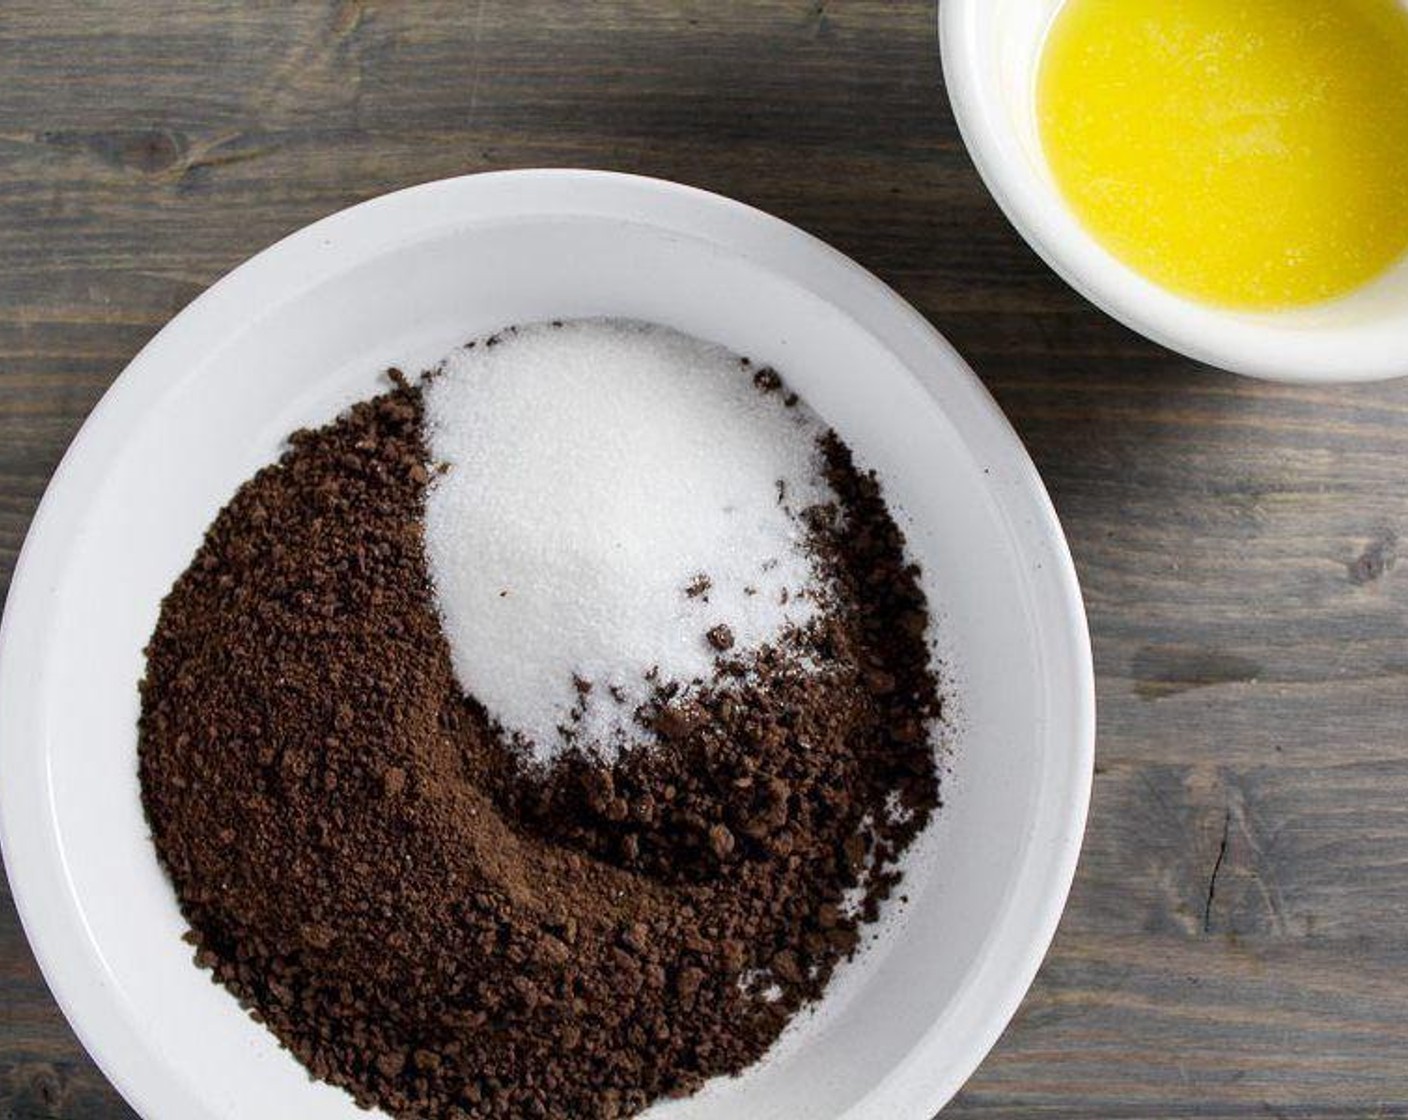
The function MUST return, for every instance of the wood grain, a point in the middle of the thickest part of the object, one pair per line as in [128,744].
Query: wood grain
[1237,941]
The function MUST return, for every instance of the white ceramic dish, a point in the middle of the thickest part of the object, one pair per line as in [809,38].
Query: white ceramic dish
[991,51]
[303,329]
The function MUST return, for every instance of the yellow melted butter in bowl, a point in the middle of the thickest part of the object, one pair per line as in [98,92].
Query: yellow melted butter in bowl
[1247,153]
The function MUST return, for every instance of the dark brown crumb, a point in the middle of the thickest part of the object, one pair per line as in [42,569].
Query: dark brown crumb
[767,380]
[720,637]
[427,918]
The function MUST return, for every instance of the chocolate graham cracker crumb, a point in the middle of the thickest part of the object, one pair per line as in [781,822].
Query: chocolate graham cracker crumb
[427,916]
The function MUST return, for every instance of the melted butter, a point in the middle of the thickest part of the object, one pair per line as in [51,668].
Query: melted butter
[1249,153]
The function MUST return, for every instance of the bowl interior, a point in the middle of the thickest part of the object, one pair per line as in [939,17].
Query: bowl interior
[304,329]
[992,51]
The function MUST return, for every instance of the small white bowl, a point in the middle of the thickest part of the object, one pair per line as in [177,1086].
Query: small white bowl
[991,52]
[305,328]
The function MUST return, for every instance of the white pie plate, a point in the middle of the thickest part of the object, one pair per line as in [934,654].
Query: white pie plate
[303,329]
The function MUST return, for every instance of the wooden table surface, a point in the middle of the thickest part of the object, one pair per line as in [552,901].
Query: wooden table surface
[1237,941]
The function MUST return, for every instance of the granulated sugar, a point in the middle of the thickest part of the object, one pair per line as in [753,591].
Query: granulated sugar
[617,508]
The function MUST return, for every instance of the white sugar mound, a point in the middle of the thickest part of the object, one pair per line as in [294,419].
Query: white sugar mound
[592,472]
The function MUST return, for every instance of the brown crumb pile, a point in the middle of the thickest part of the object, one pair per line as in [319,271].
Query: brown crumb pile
[446,929]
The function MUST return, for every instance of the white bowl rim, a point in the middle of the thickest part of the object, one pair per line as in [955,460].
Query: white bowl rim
[34,857]
[1264,346]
